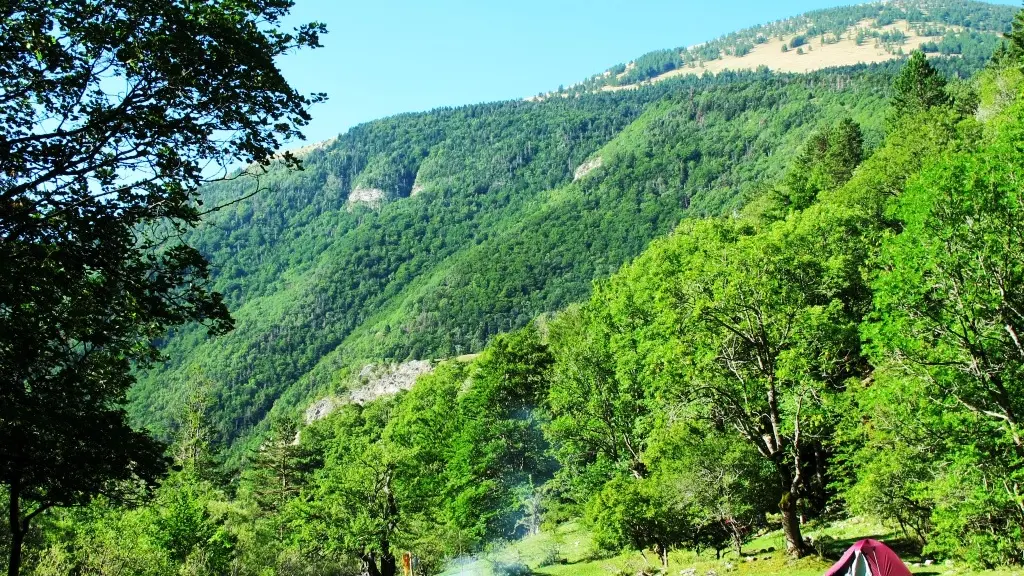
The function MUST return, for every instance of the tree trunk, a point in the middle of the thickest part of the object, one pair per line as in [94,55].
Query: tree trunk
[388,564]
[14,560]
[663,554]
[737,537]
[371,565]
[791,525]
[17,534]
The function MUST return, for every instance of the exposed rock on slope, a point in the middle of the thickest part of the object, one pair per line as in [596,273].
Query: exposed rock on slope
[387,379]
[372,197]
[587,167]
[374,381]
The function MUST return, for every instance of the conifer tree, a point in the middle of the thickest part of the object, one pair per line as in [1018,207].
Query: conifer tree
[193,442]
[845,152]
[1016,36]
[279,469]
[918,87]
[826,162]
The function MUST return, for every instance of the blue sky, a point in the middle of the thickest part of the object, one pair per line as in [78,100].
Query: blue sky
[383,57]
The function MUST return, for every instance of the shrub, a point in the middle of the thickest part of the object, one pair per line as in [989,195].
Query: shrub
[510,569]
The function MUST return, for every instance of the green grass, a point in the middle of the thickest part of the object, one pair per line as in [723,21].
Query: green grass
[573,546]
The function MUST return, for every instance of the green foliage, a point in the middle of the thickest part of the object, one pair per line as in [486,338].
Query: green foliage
[481,249]
[947,316]
[187,528]
[756,325]
[276,474]
[884,467]
[918,87]
[351,512]
[770,327]
[1016,36]
[639,515]
[601,411]
[826,162]
[847,343]
[968,44]
[729,487]
[950,295]
[101,178]
[440,470]
[500,447]
[762,325]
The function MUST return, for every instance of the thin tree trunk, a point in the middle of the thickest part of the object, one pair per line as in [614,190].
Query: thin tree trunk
[17,534]
[14,562]
[663,553]
[388,562]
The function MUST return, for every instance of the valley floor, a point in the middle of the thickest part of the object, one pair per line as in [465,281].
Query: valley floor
[571,545]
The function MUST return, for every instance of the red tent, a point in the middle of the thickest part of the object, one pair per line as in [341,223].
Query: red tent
[869,558]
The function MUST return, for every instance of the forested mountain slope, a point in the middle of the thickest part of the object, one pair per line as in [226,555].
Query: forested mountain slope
[840,356]
[423,235]
[709,315]
[865,33]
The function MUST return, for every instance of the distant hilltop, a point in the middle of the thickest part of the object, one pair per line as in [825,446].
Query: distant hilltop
[845,36]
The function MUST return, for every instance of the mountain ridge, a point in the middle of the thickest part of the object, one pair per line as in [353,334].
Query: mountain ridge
[479,223]
[869,26]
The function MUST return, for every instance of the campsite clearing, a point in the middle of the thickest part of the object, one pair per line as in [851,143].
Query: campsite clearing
[571,550]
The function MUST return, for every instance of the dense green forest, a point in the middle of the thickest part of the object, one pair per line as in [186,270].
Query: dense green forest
[422,236]
[706,309]
[497,233]
[847,343]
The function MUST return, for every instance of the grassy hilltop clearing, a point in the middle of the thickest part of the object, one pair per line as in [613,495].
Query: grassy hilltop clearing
[865,33]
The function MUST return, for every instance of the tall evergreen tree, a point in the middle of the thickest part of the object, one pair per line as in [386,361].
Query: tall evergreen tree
[1016,36]
[918,87]
[277,472]
[193,439]
[826,162]
[845,152]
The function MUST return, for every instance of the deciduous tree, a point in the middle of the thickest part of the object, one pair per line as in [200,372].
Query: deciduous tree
[112,114]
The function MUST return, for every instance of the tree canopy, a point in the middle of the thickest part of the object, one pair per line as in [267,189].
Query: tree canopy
[113,115]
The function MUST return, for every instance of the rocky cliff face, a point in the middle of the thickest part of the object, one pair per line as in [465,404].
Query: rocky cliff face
[373,381]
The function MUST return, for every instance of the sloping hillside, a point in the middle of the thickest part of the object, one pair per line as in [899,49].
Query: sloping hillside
[423,235]
[863,34]
[865,42]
